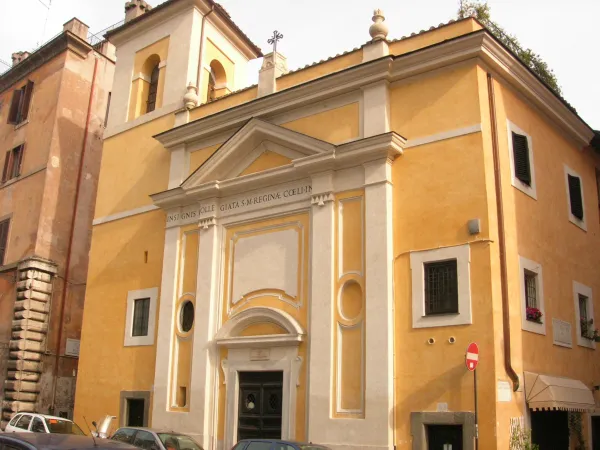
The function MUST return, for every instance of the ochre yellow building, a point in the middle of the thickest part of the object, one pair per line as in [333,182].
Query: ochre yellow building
[308,258]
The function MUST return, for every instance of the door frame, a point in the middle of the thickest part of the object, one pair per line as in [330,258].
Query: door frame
[280,359]
[124,408]
[420,420]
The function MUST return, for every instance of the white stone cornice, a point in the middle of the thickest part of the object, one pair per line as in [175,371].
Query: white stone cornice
[287,100]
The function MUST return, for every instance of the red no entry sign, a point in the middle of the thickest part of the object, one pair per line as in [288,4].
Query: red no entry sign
[472,356]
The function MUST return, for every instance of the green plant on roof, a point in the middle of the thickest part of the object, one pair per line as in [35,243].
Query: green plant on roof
[481,12]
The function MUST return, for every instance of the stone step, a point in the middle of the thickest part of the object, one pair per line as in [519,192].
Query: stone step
[18,386]
[24,355]
[28,366]
[34,285]
[24,376]
[28,334]
[23,344]
[31,305]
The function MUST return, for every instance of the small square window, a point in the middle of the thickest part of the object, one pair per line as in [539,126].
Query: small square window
[441,287]
[141,315]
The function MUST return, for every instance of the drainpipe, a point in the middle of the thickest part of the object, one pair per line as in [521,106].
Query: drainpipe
[71,235]
[212,8]
[501,237]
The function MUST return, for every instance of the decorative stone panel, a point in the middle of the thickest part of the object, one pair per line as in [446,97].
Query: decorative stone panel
[29,330]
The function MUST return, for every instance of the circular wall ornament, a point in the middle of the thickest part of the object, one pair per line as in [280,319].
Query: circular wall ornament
[186,316]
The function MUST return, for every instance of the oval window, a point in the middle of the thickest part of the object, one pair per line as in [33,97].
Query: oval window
[187,316]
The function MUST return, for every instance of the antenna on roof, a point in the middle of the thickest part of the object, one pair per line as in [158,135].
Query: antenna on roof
[90,430]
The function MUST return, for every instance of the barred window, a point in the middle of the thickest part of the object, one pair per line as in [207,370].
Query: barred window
[531,289]
[441,287]
[141,314]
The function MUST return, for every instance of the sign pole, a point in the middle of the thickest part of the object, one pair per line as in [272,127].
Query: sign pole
[476,421]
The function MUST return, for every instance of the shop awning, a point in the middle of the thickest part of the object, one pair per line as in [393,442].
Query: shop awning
[544,392]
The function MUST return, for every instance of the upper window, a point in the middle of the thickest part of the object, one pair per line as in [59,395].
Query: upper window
[441,287]
[12,163]
[153,90]
[575,198]
[584,312]
[521,160]
[532,299]
[4,226]
[141,314]
[19,106]
[441,292]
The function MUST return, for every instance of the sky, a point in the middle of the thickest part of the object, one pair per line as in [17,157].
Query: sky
[564,34]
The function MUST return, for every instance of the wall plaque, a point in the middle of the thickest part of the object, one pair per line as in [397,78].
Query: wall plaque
[260,354]
[561,333]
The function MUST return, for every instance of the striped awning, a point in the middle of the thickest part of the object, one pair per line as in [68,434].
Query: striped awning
[545,392]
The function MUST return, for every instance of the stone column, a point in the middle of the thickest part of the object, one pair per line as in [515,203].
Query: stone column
[29,330]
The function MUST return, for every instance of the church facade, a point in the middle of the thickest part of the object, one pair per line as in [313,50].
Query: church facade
[309,258]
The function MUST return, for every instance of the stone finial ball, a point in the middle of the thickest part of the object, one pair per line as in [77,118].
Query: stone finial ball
[379,30]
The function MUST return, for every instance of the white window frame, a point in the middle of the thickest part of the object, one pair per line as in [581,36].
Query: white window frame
[532,266]
[529,190]
[582,289]
[132,296]
[580,223]
[462,255]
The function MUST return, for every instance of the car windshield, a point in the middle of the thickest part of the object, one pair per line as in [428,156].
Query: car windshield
[59,426]
[178,442]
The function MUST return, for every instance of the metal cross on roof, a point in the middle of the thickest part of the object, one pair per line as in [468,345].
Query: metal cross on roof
[277,36]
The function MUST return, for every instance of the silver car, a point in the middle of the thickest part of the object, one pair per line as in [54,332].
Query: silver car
[154,439]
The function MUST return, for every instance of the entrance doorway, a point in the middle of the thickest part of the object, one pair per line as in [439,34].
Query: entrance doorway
[135,412]
[260,405]
[444,437]
[550,429]
[595,432]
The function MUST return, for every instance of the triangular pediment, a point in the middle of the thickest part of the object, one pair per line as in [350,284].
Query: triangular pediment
[258,145]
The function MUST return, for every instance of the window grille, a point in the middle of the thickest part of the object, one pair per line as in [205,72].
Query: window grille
[531,289]
[141,315]
[441,287]
[153,89]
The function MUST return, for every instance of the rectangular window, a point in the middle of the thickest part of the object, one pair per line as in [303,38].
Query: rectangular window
[141,315]
[583,314]
[521,158]
[598,186]
[19,106]
[441,287]
[531,289]
[12,163]
[107,109]
[575,196]
[3,239]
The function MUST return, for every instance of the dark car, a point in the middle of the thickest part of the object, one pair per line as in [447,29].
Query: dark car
[47,441]
[275,444]
[155,439]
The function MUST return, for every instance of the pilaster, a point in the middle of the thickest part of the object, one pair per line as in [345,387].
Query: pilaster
[376,109]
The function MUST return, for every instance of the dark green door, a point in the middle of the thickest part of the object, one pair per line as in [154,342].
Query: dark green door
[444,437]
[260,402]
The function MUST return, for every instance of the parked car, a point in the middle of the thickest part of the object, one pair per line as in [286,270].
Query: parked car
[40,423]
[49,441]
[275,444]
[153,439]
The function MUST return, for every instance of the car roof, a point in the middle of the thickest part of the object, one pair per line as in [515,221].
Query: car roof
[152,430]
[49,441]
[45,416]
[284,441]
